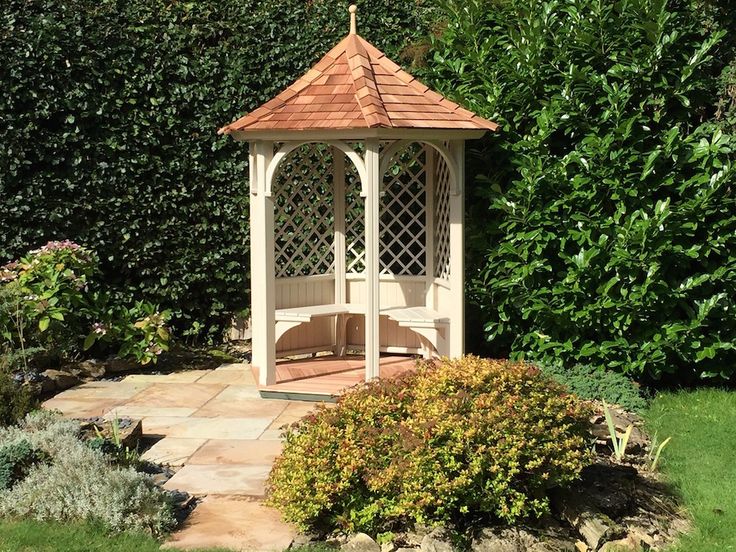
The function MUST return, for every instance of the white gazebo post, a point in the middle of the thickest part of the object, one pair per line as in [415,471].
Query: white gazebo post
[371,192]
[263,279]
[392,255]
[457,252]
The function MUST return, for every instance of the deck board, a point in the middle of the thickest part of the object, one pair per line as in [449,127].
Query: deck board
[328,376]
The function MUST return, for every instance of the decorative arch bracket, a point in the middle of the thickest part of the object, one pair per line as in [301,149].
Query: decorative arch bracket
[288,147]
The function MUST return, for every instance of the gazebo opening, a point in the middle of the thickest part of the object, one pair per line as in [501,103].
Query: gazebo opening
[356,182]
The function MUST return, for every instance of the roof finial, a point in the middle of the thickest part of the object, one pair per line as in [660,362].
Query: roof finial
[353,25]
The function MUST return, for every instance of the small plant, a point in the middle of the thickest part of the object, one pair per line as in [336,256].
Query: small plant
[16,460]
[114,447]
[655,451]
[619,444]
[16,400]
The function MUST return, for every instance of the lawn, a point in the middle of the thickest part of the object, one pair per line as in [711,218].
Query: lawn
[699,461]
[33,536]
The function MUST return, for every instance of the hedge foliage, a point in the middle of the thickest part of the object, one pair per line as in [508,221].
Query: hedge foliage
[603,220]
[108,119]
[451,442]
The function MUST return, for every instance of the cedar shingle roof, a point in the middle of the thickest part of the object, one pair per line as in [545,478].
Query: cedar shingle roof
[356,86]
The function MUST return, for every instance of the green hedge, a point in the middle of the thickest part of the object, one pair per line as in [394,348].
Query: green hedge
[603,219]
[108,119]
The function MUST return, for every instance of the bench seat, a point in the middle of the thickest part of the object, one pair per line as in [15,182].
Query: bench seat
[424,321]
[305,314]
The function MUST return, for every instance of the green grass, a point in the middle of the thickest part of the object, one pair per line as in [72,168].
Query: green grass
[34,536]
[701,462]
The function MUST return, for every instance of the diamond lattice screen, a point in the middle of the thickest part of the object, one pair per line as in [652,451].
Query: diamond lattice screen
[354,221]
[403,214]
[303,217]
[442,219]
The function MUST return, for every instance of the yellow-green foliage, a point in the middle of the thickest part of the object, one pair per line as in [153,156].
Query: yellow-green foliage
[456,439]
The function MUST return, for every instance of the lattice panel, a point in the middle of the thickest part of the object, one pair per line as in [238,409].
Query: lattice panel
[304,217]
[403,214]
[354,221]
[442,219]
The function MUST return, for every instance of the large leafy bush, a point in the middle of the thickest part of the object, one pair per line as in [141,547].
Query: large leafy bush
[108,116]
[603,223]
[466,437]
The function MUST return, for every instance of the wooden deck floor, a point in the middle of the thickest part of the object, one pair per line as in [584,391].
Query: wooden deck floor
[322,378]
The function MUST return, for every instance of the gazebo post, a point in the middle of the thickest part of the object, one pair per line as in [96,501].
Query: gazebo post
[338,200]
[457,253]
[371,193]
[263,281]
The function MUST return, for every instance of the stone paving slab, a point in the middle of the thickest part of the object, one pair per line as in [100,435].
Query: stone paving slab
[118,390]
[223,451]
[139,411]
[229,479]
[171,451]
[81,407]
[294,412]
[187,376]
[237,402]
[229,377]
[220,428]
[234,366]
[161,425]
[233,523]
[185,395]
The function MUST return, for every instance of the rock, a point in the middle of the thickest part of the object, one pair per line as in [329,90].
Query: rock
[413,538]
[117,366]
[406,550]
[360,542]
[436,541]
[87,369]
[304,539]
[629,544]
[609,488]
[60,379]
[518,539]
[580,546]
[576,508]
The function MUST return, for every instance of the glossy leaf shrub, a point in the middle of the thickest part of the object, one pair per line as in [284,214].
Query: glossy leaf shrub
[603,219]
[109,114]
[455,440]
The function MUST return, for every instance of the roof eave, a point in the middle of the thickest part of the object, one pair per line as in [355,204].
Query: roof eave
[316,135]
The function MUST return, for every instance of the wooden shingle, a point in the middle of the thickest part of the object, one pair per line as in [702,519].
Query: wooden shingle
[356,86]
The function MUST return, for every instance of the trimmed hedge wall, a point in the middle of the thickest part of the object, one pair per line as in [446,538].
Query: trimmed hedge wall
[108,119]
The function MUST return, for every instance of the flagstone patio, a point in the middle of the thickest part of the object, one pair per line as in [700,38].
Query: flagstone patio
[213,427]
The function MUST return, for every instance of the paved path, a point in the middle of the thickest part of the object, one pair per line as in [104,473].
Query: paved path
[218,433]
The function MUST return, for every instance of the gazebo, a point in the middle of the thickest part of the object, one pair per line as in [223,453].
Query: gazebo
[356,213]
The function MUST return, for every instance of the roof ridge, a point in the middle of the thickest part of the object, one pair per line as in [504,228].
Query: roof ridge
[364,80]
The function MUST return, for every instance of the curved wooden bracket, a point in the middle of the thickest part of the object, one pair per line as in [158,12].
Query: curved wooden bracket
[288,147]
[438,146]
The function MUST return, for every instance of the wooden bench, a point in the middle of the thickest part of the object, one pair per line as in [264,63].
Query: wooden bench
[424,321]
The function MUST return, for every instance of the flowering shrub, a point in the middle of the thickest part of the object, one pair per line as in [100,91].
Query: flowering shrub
[52,282]
[454,440]
[61,308]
